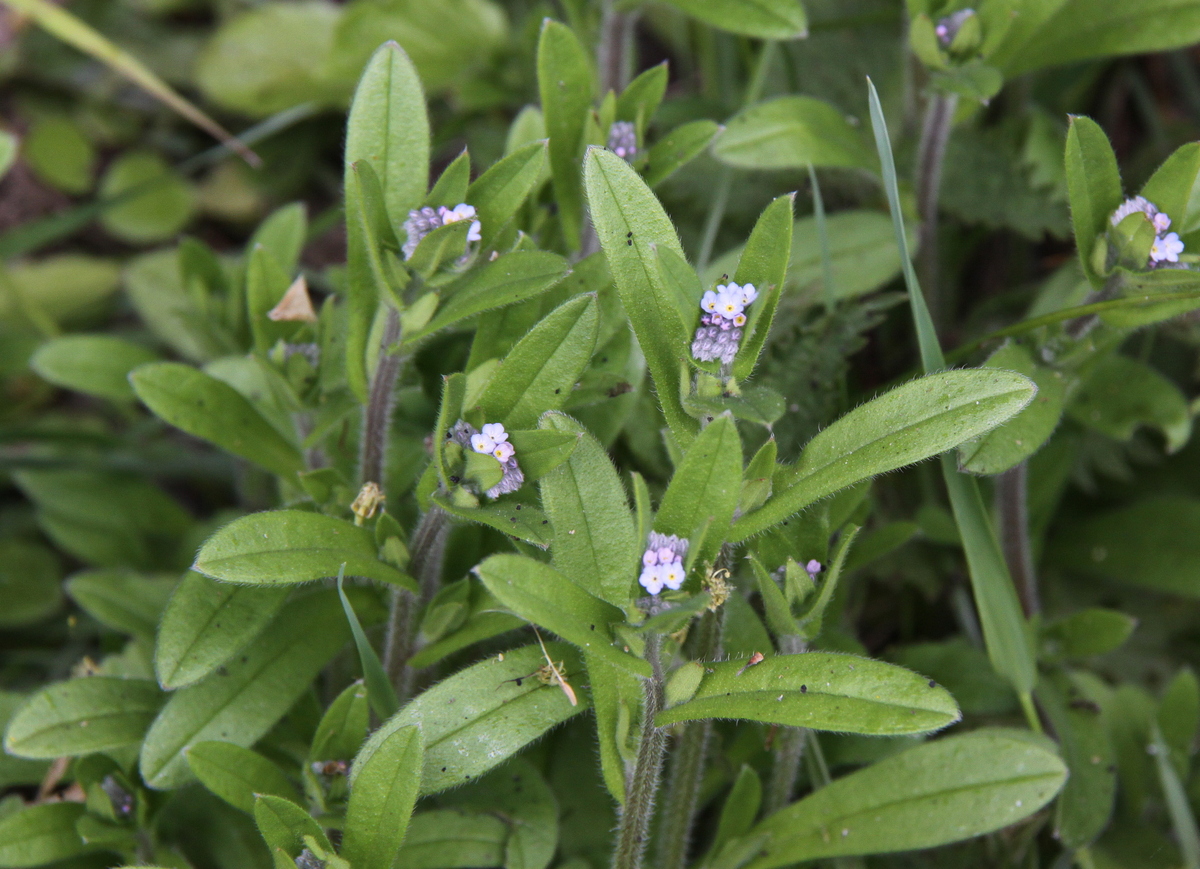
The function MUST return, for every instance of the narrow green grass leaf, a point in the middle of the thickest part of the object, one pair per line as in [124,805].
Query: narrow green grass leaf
[1008,640]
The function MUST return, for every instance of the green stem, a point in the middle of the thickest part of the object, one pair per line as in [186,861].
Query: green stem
[687,764]
[1031,715]
[931,152]
[428,549]
[377,417]
[823,234]
[633,832]
[789,749]
[1012,513]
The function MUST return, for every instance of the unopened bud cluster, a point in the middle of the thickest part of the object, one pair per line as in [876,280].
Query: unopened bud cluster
[948,27]
[720,331]
[662,563]
[622,140]
[422,221]
[1167,247]
[492,440]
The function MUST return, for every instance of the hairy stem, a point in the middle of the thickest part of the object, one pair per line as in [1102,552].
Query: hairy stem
[931,151]
[789,749]
[377,418]
[428,549]
[1012,511]
[614,53]
[643,787]
[687,764]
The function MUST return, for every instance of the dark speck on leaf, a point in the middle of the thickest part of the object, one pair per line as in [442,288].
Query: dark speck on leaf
[454,478]
[932,684]
[512,518]
[545,521]
[518,506]
[803,689]
[443,769]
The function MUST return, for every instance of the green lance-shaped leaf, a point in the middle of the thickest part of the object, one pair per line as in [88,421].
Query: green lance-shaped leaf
[764,264]
[95,364]
[940,792]
[379,687]
[1175,189]
[1031,34]
[677,148]
[631,226]
[500,192]
[565,86]
[1122,394]
[449,837]
[389,129]
[282,235]
[206,623]
[284,826]
[121,599]
[512,278]
[256,688]
[705,488]
[584,495]
[385,781]
[343,727]
[1153,543]
[539,372]
[81,716]
[481,716]
[1093,186]
[912,422]
[237,775]
[1009,444]
[539,593]
[821,691]
[282,547]
[266,284]
[762,19]
[1005,631]
[210,409]
[1082,727]
[792,133]
[36,835]
[642,96]
[510,517]
[451,187]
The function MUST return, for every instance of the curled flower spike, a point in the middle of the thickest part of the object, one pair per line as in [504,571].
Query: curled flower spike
[662,563]
[1133,205]
[622,140]
[493,440]
[720,331]
[1166,248]
[462,211]
[421,221]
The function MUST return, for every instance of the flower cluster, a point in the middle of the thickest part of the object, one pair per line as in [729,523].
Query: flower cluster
[662,563]
[622,140]
[1167,247]
[720,330]
[422,221]
[493,441]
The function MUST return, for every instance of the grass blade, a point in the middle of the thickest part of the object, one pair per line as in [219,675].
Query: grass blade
[1004,630]
[82,36]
